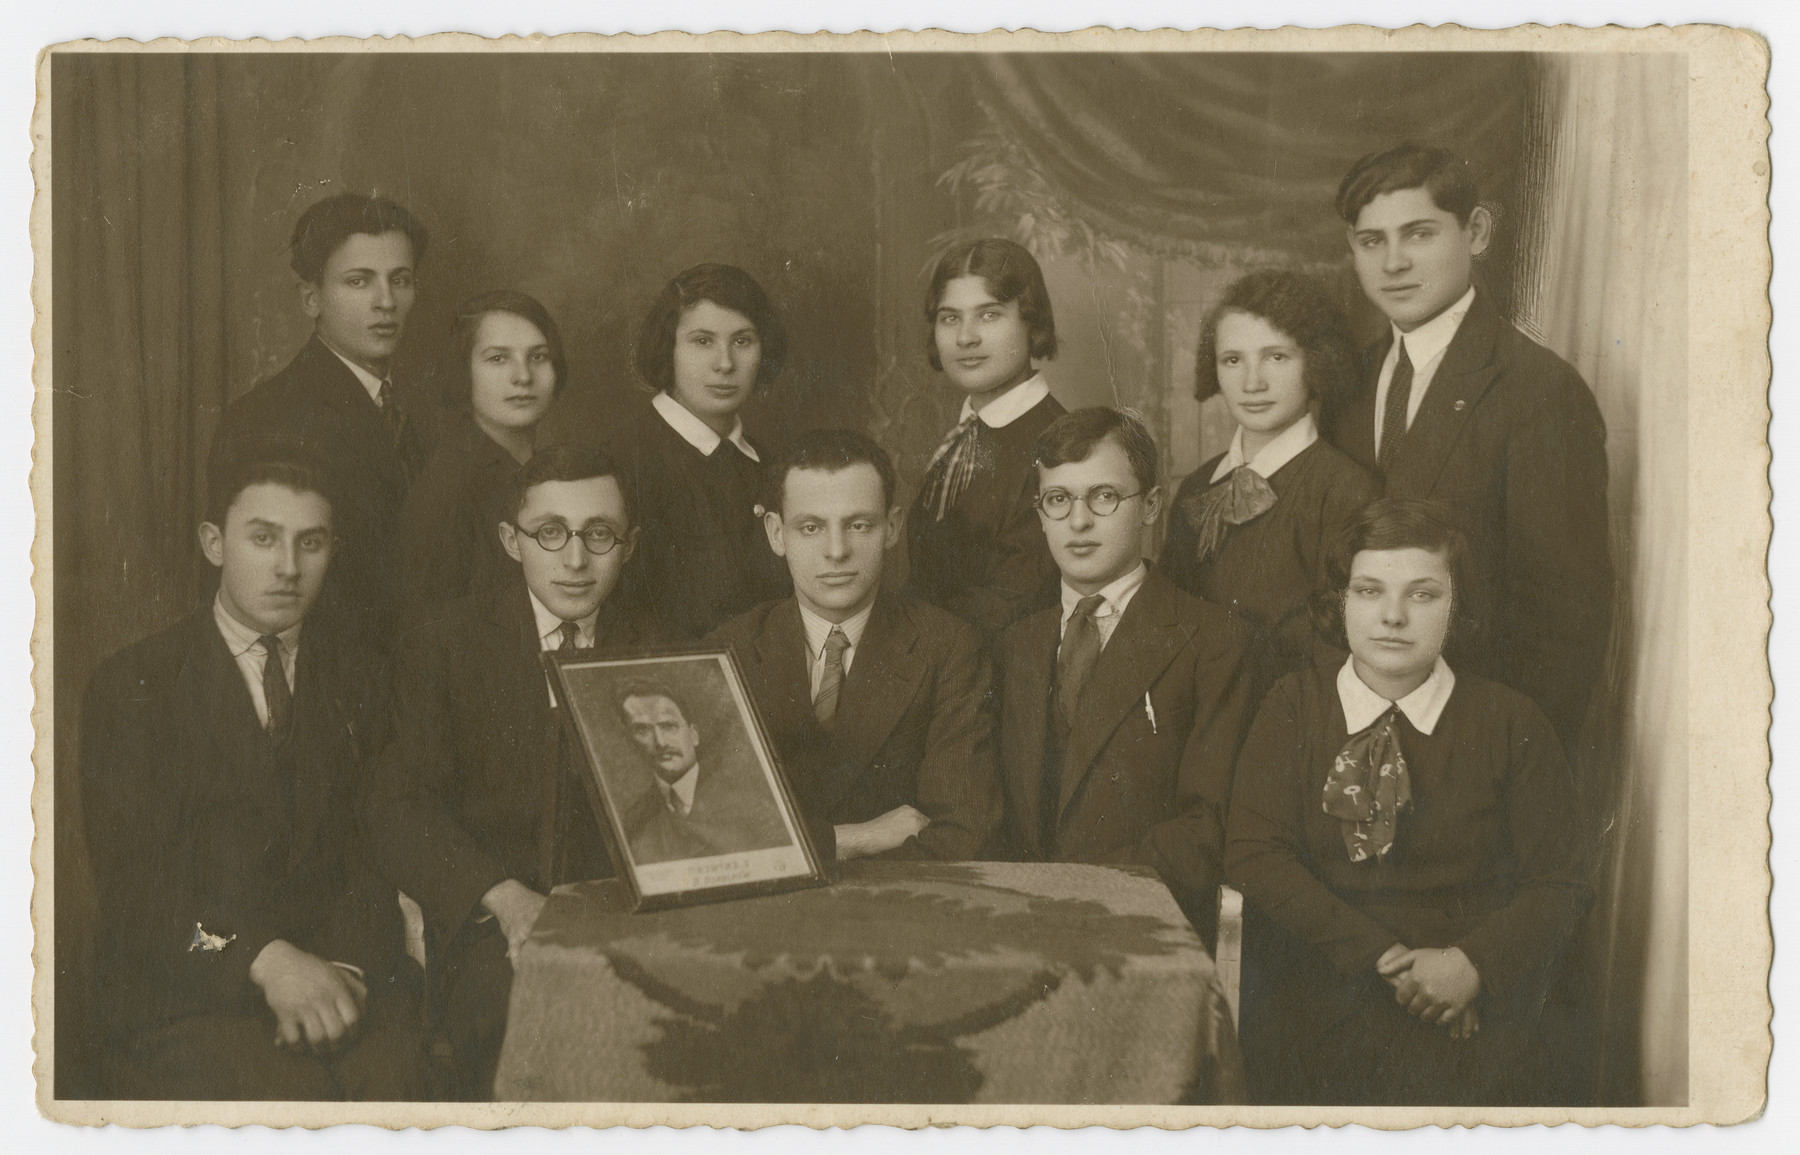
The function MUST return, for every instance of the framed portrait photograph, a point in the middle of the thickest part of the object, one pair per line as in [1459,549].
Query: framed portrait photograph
[694,802]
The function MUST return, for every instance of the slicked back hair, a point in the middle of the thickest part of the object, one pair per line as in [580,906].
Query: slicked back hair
[727,286]
[649,688]
[1395,523]
[571,463]
[830,451]
[1073,436]
[1011,273]
[272,463]
[1298,306]
[325,226]
[1440,172]
[467,329]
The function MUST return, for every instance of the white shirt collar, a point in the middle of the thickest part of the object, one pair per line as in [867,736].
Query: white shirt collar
[369,381]
[1422,707]
[1010,405]
[241,639]
[1430,339]
[683,788]
[1287,445]
[1118,594]
[549,626]
[697,432]
[818,629]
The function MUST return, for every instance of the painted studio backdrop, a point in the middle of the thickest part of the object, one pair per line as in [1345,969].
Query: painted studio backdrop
[1144,183]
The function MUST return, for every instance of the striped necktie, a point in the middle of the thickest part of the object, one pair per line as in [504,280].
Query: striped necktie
[825,702]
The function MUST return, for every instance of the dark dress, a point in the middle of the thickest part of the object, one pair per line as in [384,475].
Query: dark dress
[702,555]
[449,544]
[987,562]
[1267,569]
[1488,858]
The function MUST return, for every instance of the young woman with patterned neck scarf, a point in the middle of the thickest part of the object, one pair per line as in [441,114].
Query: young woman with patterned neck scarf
[1407,841]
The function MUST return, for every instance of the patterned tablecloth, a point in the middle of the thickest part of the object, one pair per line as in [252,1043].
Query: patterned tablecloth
[903,982]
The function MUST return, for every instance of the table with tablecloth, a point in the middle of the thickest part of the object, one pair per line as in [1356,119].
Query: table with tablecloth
[902,982]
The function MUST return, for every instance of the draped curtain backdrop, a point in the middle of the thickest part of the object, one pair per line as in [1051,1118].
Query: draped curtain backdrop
[1239,155]
[1611,297]
[587,180]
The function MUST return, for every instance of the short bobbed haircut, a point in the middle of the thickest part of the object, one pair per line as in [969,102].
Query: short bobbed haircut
[264,462]
[1073,436]
[1298,306]
[1011,273]
[334,220]
[1395,523]
[1440,172]
[649,688]
[467,328]
[727,286]
[830,451]
[570,463]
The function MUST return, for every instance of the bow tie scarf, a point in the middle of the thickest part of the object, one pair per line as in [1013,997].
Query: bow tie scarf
[953,466]
[1368,787]
[1243,496]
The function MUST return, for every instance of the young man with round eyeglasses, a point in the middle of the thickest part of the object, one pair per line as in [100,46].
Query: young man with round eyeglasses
[1122,707]
[478,808]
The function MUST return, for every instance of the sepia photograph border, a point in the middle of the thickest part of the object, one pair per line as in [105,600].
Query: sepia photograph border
[1727,684]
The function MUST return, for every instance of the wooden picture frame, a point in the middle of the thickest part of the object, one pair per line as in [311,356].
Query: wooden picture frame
[683,777]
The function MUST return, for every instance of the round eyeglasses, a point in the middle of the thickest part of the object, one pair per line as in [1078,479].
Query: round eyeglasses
[1057,504]
[553,535]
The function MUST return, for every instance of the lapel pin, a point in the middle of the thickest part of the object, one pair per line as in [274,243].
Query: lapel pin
[1461,405]
[211,942]
[1149,711]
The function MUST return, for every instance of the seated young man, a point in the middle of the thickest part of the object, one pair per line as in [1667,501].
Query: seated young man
[245,949]
[1123,707]
[478,809]
[876,702]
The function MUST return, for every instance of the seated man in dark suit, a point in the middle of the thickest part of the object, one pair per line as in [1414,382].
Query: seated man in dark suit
[1123,707]
[876,702]
[355,257]
[478,808]
[246,950]
[690,810]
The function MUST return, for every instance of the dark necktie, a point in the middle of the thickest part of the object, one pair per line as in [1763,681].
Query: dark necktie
[553,834]
[952,468]
[276,695]
[391,415]
[1075,659]
[1393,416]
[826,700]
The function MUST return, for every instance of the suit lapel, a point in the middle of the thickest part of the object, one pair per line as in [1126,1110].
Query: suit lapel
[1030,658]
[784,684]
[1142,646]
[517,685]
[1353,431]
[884,677]
[316,748]
[240,747]
[1456,390]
